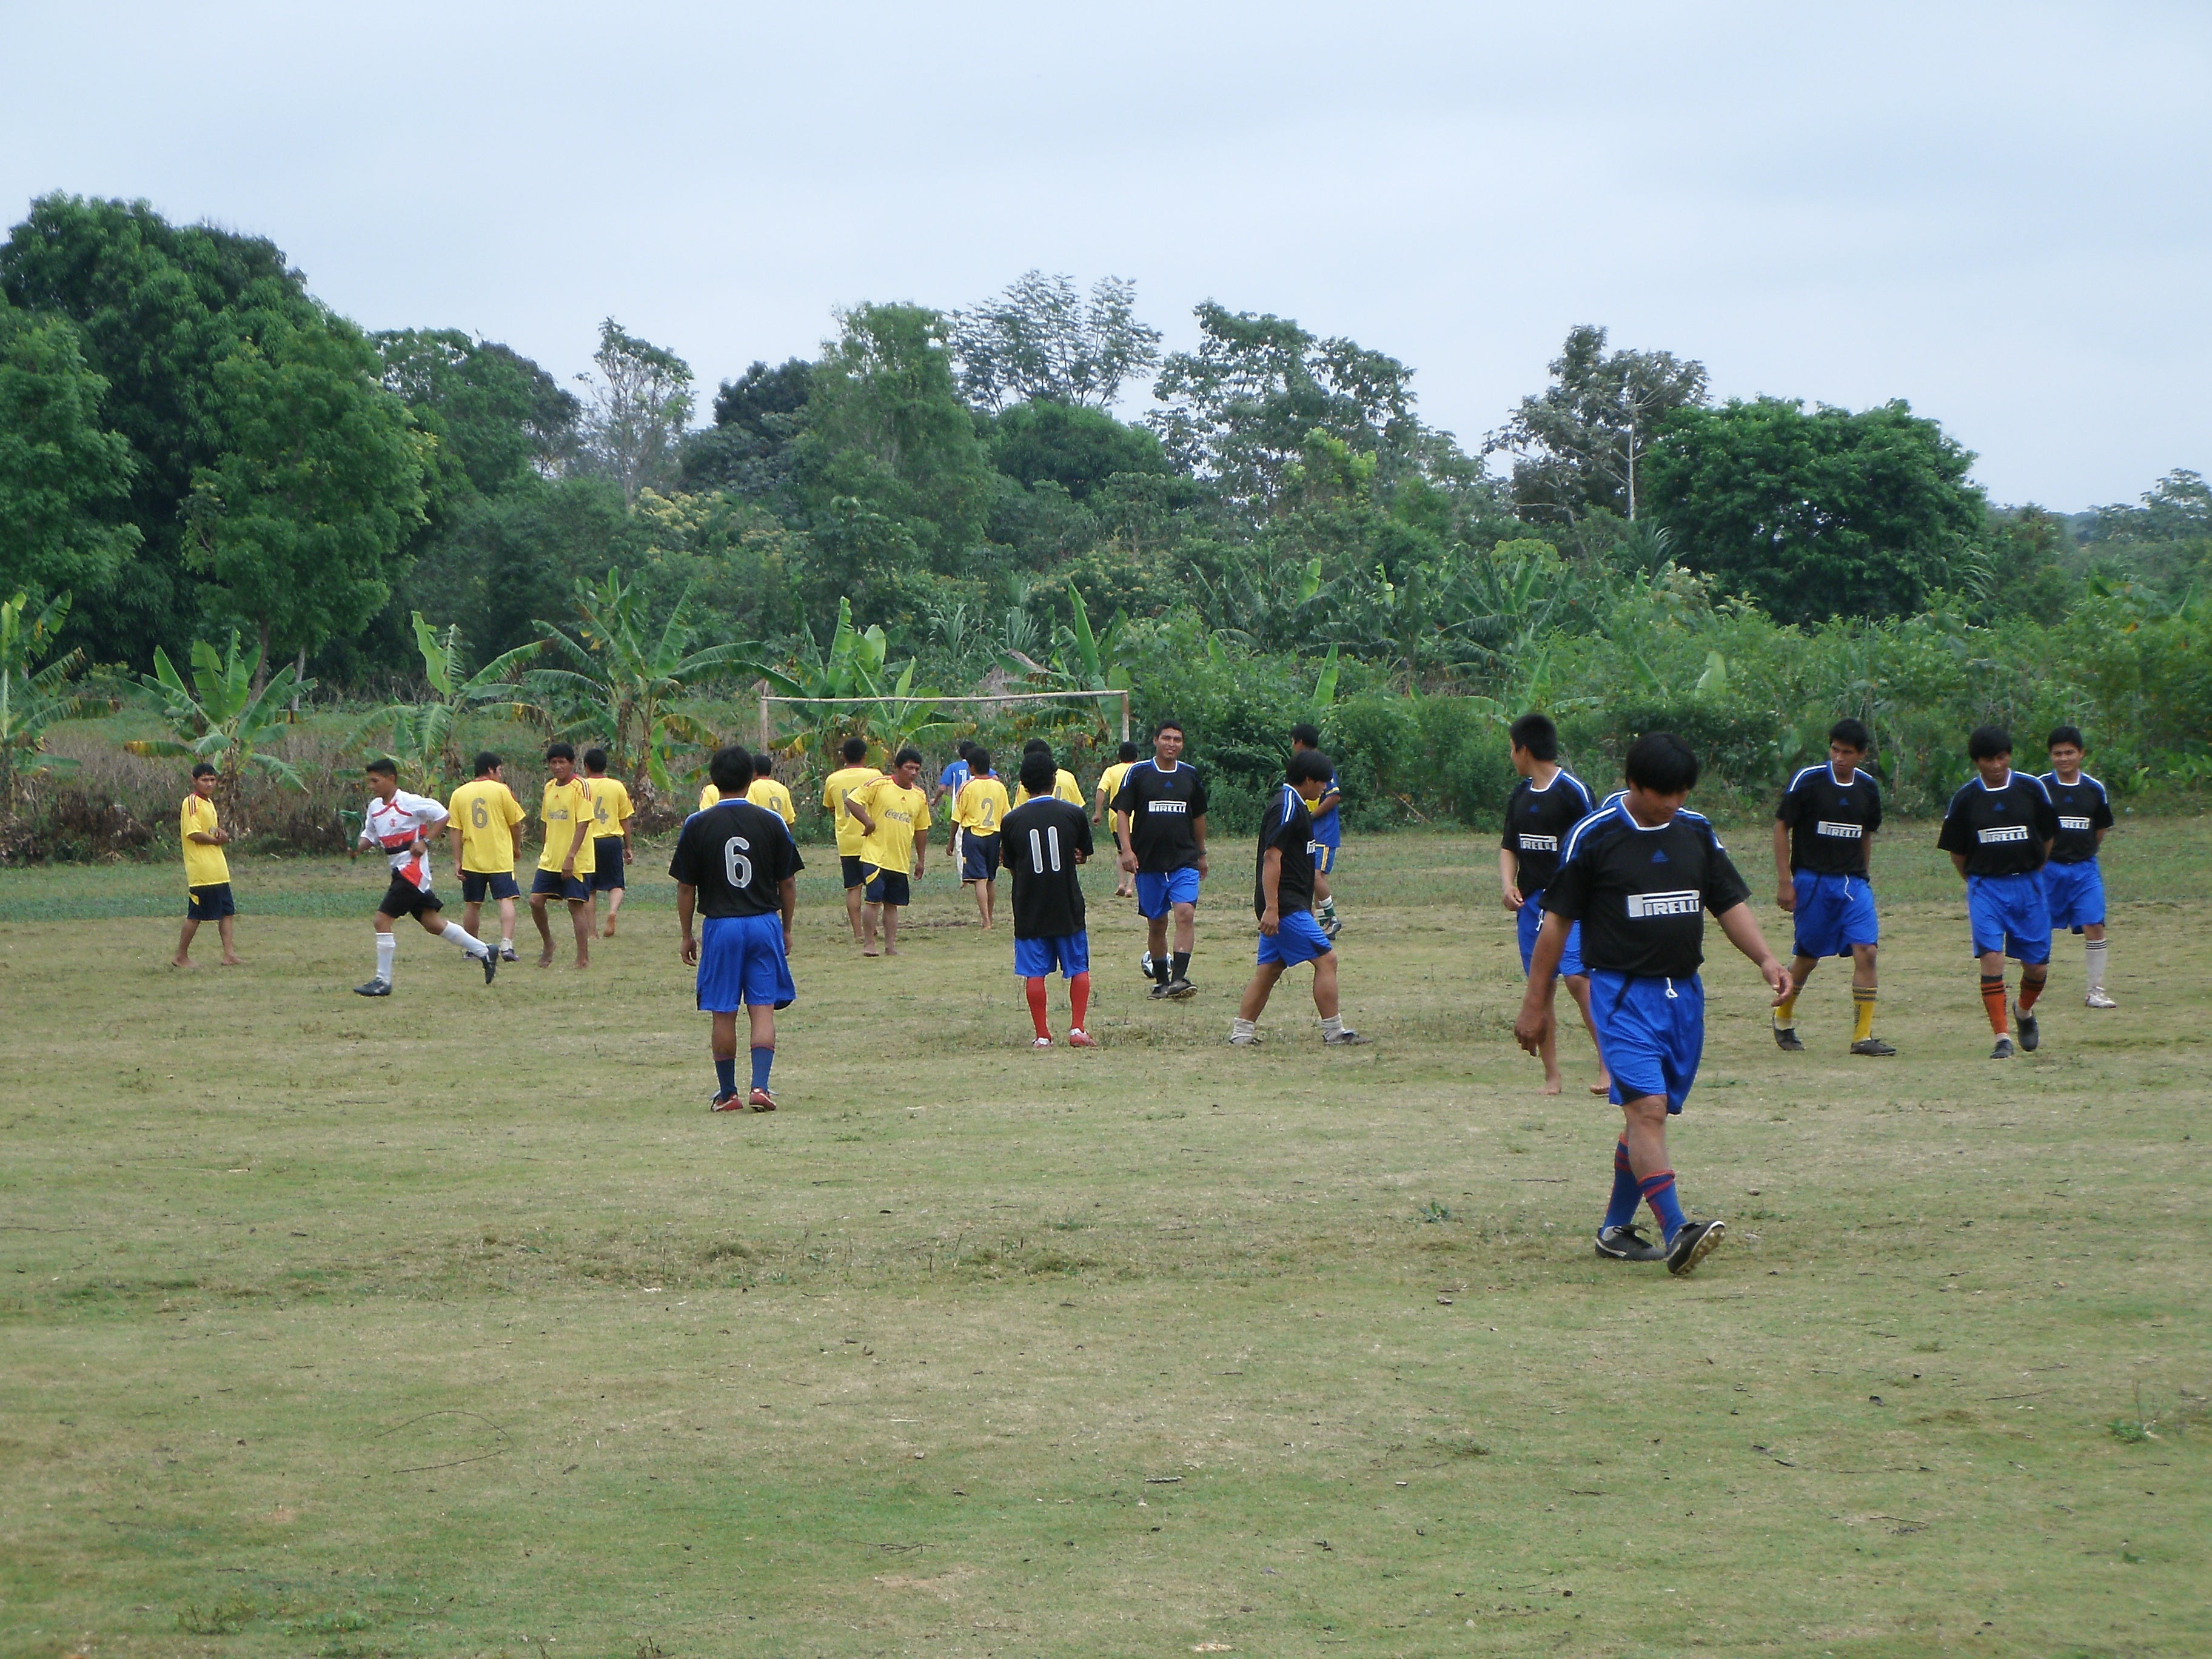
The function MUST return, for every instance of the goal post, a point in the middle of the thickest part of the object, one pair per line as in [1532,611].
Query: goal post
[768,699]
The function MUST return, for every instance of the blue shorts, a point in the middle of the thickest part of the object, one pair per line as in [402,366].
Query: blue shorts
[576,891]
[1299,939]
[2008,914]
[1833,914]
[978,857]
[1529,920]
[210,903]
[1650,1034]
[607,864]
[2075,894]
[1157,894]
[886,887]
[1324,857]
[1069,952]
[741,964]
[500,883]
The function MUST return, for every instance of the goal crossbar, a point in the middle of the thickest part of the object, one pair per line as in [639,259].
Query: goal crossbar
[766,698]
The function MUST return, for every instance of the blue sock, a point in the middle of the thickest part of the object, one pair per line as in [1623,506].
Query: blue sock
[762,1059]
[1659,1192]
[1627,1194]
[726,1073]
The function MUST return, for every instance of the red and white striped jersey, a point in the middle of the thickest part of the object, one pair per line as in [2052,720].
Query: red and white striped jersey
[392,826]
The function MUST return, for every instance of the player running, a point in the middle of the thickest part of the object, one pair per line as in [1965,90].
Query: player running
[484,822]
[765,790]
[1328,835]
[1282,898]
[1998,831]
[836,787]
[977,812]
[207,870]
[612,812]
[564,867]
[2073,882]
[1045,840]
[736,865]
[1824,832]
[400,826]
[1159,821]
[1109,785]
[1639,874]
[893,813]
[1547,802]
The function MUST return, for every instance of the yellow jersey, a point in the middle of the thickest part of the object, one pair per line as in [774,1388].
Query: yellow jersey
[980,805]
[1063,787]
[838,785]
[567,805]
[1109,780]
[900,815]
[767,791]
[708,797]
[610,807]
[486,812]
[204,865]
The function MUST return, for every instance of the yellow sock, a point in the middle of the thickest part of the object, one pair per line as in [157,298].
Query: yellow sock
[1785,1013]
[1863,1011]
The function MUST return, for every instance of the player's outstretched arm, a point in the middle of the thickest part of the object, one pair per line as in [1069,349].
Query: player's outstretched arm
[1509,878]
[1534,1023]
[1742,930]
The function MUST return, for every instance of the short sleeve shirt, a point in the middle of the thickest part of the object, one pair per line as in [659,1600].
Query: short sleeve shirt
[1642,894]
[1163,808]
[1829,821]
[393,826]
[1287,827]
[1042,840]
[1537,824]
[204,865]
[899,813]
[487,813]
[835,788]
[565,806]
[611,805]
[981,805]
[767,791]
[2001,831]
[2083,809]
[738,856]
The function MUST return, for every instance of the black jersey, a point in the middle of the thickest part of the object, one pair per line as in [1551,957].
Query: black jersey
[2002,832]
[738,856]
[1829,821]
[1040,839]
[1537,823]
[1287,826]
[1641,895]
[1163,808]
[2083,809]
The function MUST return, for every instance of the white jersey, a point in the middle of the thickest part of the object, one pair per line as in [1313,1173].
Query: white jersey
[392,826]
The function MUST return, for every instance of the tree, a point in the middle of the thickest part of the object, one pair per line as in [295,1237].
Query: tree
[1820,514]
[35,697]
[640,405]
[1039,342]
[1077,449]
[63,477]
[749,449]
[425,737]
[2177,509]
[1581,443]
[225,716]
[496,415]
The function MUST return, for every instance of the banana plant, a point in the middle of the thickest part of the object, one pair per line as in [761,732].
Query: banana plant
[219,717]
[853,667]
[423,737]
[33,700]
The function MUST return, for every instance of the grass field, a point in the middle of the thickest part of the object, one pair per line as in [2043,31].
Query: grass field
[454,1324]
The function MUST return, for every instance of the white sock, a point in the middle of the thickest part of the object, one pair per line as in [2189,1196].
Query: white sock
[1242,1027]
[2093,961]
[1332,1025]
[457,934]
[506,945]
[388,947]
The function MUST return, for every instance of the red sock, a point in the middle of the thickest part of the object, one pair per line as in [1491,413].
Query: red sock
[2029,990]
[1993,1001]
[1079,998]
[1035,989]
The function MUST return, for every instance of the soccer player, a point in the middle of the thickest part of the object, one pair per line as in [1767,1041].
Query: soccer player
[1045,839]
[1109,785]
[484,821]
[1547,802]
[1328,835]
[564,867]
[2073,883]
[977,812]
[893,814]
[1282,898]
[1160,820]
[945,793]
[207,871]
[1064,786]
[1639,874]
[1998,831]
[1824,832]
[836,787]
[765,790]
[736,865]
[400,826]
[612,812]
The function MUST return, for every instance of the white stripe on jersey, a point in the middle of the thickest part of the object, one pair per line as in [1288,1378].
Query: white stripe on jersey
[391,827]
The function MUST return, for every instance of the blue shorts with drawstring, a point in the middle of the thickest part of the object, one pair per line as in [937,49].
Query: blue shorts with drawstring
[1651,1033]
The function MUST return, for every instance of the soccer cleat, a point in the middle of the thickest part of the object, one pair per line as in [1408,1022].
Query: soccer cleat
[1694,1243]
[761,1101]
[1040,1043]
[490,965]
[1627,1244]
[2098,999]
[1159,993]
[2004,1049]
[1347,1038]
[375,988]
[1872,1045]
[1079,1038]
[1243,1039]
[2031,1034]
[1785,1038]
[1181,990]
[506,954]
[1331,927]
[732,1102]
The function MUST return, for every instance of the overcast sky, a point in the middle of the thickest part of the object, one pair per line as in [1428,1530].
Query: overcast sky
[1997,211]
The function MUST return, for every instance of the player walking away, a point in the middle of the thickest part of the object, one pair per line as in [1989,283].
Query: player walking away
[1046,839]
[612,812]
[2073,882]
[1639,874]
[1282,898]
[735,866]
[207,870]
[1159,819]
[836,787]
[977,812]
[1328,835]
[893,814]
[765,790]
[484,821]
[401,826]
[1109,785]
[1824,832]
[1546,805]
[1064,786]
[564,867]
[1998,831]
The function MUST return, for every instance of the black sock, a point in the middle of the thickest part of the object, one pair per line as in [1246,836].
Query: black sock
[1160,969]
[1182,965]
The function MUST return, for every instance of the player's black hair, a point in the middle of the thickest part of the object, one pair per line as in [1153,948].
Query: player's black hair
[1038,772]
[1310,763]
[383,766]
[1036,746]
[731,769]
[1174,726]
[2066,734]
[1988,742]
[595,760]
[966,749]
[1306,736]
[763,764]
[909,753]
[979,759]
[488,762]
[566,752]
[1128,751]
[1852,734]
[1536,734]
[855,751]
[1661,763]
[205,770]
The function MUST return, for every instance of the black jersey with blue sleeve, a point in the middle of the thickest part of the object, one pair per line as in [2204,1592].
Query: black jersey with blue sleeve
[2083,809]
[1641,893]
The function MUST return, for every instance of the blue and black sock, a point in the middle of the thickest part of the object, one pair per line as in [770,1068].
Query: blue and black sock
[726,1073]
[1620,1209]
[1659,1192]
[762,1059]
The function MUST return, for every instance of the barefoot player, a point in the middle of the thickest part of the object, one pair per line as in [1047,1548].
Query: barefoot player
[835,788]
[564,867]
[1282,898]
[1109,785]
[207,871]
[893,813]
[612,812]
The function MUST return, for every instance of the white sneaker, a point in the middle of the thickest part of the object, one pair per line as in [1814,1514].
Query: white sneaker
[2098,999]
[1245,1039]
[1040,1043]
